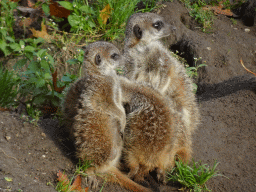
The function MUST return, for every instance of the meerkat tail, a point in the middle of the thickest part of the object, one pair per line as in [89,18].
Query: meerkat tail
[123,180]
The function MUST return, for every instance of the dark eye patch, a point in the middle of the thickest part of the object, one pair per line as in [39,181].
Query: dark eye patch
[114,56]
[158,25]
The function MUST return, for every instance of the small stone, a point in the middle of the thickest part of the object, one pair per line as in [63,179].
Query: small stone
[43,135]
[43,156]
[7,138]
[209,48]
[247,30]
[235,28]
[26,160]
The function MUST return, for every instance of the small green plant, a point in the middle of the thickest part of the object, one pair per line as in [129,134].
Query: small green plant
[8,91]
[233,21]
[34,114]
[36,82]
[82,17]
[6,25]
[193,177]
[81,167]
[203,17]
[78,59]
[192,71]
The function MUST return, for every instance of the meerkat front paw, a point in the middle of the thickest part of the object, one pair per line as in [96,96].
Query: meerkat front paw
[161,176]
[92,181]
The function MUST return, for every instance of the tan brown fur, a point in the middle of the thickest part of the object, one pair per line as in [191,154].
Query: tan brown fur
[93,108]
[152,131]
[148,61]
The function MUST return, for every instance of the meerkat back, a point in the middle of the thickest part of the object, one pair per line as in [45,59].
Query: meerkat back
[150,62]
[93,106]
[152,132]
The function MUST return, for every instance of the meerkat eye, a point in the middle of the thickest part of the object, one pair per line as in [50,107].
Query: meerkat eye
[158,25]
[97,59]
[114,56]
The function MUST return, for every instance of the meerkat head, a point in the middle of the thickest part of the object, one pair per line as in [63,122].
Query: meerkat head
[102,57]
[145,28]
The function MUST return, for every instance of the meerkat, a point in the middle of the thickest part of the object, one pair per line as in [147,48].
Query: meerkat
[93,108]
[150,62]
[153,133]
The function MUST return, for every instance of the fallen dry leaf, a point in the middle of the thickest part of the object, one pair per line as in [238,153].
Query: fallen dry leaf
[43,33]
[76,186]
[4,109]
[31,4]
[219,10]
[58,11]
[105,14]
[63,178]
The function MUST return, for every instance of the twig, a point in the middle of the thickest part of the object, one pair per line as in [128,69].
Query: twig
[246,68]
[9,156]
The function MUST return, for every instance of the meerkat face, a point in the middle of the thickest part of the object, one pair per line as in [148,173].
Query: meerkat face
[146,27]
[103,57]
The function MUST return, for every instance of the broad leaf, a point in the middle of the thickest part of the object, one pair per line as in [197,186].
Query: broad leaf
[66,5]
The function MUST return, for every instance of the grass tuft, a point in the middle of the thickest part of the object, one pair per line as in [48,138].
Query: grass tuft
[193,177]
[8,91]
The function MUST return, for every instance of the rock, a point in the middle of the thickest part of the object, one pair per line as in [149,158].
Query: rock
[7,137]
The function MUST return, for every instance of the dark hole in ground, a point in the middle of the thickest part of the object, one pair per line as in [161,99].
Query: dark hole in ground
[185,51]
[247,12]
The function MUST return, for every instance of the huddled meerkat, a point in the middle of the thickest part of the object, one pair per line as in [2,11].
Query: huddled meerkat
[95,115]
[153,133]
[150,62]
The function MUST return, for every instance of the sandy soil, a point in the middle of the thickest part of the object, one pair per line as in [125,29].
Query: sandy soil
[31,156]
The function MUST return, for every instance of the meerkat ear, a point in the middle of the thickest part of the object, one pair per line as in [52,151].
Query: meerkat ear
[137,31]
[97,59]
[86,51]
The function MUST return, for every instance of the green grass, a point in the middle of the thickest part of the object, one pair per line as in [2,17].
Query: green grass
[203,17]
[234,22]
[193,177]
[85,18]
[9,86]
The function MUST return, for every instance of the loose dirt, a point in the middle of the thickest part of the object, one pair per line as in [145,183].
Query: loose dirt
[32,155]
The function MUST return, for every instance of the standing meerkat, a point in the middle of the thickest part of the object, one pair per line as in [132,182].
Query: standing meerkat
[96,118]
[153,132]
[150,62]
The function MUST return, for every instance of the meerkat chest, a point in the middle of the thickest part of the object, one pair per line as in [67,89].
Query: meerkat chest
[154,69]
[106,96]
